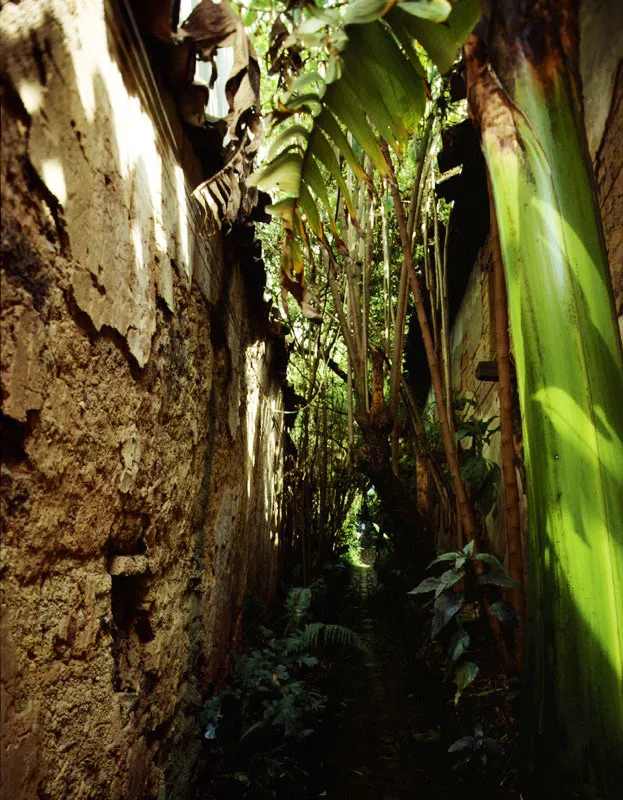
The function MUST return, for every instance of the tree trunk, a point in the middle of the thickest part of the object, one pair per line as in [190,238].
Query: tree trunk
[466,515]
[570,376]
[375,461]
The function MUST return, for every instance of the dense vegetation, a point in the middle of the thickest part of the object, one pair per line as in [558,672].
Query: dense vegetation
[359,96]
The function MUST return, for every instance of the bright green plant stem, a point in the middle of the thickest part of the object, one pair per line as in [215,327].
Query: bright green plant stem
[569,370]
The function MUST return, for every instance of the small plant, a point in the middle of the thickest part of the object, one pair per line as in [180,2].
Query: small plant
[270,705]
[477,471]
[478,750]
[481,475]
[458,593]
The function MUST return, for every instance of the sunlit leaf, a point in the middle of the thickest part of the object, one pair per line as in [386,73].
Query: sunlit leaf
[331,127]
[344,104]
[322,150]
[296,133]
[433,10]
[284,173]
[464,675]
[310,209]
[441,42]
[360,11]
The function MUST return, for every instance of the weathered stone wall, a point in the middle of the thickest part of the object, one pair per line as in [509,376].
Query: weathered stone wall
[473,332]
[141,456]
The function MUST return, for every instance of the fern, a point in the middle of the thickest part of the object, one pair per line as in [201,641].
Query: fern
[315,634]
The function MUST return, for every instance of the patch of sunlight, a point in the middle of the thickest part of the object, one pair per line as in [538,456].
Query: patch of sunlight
[101,86]
[590,456]
[54,178]
[252,358]
[182,210]
[31,95]
[137,241]
[560,408]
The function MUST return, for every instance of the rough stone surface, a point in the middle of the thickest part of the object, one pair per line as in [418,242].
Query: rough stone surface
[141,445]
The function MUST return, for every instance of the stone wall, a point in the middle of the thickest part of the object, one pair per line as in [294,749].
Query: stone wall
[141,456]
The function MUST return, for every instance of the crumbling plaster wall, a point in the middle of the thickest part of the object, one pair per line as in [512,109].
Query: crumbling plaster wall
[473,333]
[141,456]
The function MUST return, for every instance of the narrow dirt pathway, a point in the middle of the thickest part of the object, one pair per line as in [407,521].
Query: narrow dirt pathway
[380,719]
[392,717]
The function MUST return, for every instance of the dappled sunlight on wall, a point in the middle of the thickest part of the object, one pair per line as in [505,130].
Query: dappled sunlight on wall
[84,101]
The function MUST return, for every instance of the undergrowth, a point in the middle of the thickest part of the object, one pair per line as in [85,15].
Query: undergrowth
[260,728]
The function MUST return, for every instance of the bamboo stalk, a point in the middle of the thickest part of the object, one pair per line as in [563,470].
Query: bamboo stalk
[466,514]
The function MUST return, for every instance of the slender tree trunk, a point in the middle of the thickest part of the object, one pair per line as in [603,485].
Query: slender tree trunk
[447,436]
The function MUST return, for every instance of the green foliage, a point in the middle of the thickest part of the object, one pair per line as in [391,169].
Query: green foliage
[365,77]
[476,585]
[270,704]
[476,750]
[480,474]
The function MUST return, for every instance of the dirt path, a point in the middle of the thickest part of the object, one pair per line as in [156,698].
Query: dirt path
[371,752]
[392,715]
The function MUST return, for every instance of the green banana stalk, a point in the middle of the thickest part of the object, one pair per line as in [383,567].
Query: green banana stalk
[570,375]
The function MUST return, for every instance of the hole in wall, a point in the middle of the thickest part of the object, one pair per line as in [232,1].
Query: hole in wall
[131,630]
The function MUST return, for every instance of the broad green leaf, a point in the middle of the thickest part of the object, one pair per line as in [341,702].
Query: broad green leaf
[322,150]
[331,16]
[296,258]
[303,101]
[441,42]
[345,105]
[446,606]
[444,557]
[427,585]
[283,173]
[310,209]
[310,27]
[370,96]
[361,11]
[459,642]
[449,578]
[284,209]
[298,133]
[312,177]
[490,559]
[406,40]
[331,127]
[401,84]
[464,675]
[433,10]
[384,81]
[496,579]
[304,81]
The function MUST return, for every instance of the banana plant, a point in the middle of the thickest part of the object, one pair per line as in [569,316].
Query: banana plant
[372,82]
[524,95]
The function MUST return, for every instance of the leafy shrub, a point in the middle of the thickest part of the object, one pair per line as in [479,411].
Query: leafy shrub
[270,706]
[459,593]
[476,750]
